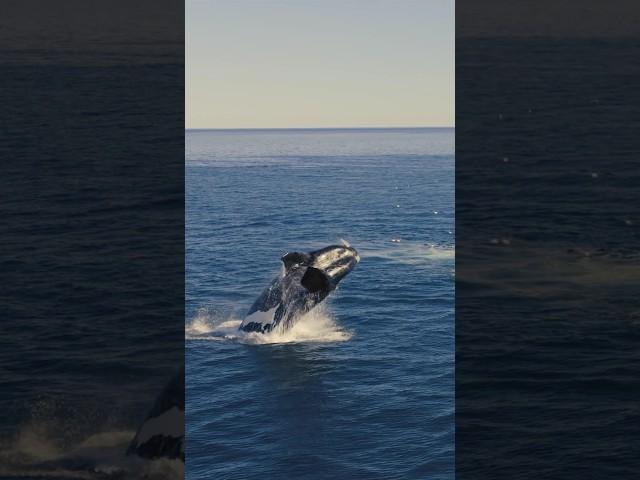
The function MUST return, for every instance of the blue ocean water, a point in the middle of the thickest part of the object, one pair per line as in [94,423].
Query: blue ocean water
[363,387]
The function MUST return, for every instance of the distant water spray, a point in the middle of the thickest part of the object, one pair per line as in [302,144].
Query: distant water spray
[317,326]
[409,253]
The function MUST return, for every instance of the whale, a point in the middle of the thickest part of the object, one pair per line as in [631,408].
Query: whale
[305,281]
[161,435]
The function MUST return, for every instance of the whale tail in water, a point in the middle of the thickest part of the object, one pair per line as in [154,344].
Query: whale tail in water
[161,435]
[308,278]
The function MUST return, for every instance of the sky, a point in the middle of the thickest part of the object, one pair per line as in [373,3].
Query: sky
[319,63]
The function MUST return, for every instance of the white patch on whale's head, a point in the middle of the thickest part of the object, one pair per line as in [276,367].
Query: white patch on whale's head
[335,261]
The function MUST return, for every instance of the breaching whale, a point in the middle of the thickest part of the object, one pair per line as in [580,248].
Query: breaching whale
[307,279]
[161,435]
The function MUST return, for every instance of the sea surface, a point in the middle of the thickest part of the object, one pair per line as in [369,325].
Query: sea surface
[548,258]
[362,387]
[91,297]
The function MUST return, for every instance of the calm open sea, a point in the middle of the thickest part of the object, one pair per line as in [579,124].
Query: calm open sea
[363,387]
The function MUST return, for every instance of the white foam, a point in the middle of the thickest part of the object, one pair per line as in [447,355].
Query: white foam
[409,253]
[317,326]
[264,318]
[554,269]
[38,451]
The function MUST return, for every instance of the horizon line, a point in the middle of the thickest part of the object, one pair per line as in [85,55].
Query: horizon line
[322,128]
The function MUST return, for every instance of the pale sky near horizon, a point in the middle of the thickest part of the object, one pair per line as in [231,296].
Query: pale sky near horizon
[319,63]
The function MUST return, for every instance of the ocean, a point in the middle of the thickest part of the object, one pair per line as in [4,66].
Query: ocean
[363,386]
[547,258]
[92,261]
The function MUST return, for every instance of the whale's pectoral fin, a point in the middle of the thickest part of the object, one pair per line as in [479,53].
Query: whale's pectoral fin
[294,258]
[315,280]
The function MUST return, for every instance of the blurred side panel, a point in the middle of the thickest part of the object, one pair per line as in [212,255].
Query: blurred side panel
[548,237]
[92,231]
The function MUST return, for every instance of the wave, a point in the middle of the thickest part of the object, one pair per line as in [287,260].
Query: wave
[317,326]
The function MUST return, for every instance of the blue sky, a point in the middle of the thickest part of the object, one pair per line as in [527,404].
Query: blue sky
[319,63]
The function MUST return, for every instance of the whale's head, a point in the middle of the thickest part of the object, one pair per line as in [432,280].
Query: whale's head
[336,261]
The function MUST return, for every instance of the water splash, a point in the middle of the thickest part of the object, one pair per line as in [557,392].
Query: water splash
[317,326]
[409,252]
[37,451]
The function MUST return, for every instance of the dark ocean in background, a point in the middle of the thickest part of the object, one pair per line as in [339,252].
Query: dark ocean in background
[92,260]
[548,258]
[362,388]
